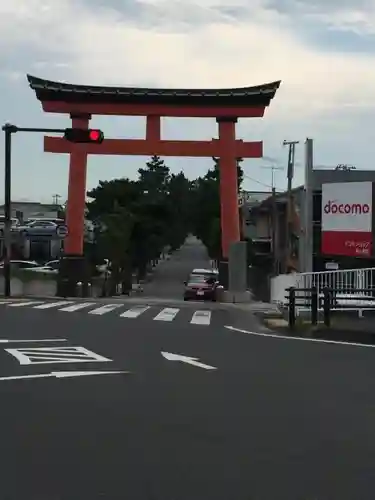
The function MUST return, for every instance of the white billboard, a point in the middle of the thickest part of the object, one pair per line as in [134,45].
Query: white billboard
[347,206]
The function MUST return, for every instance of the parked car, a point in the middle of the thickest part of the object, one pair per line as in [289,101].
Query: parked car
[14,224]
[209,273]
[53,264]
[57,221]
[21,264]
[200,287]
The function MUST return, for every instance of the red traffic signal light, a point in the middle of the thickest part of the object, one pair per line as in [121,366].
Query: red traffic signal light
[80,135]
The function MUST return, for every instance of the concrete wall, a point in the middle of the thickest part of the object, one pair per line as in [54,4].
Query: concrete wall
[37,288]
[279,284]
[33,287]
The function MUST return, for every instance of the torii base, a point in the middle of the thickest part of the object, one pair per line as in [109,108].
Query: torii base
[73,279]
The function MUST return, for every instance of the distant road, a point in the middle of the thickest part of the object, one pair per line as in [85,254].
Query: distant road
[169,276]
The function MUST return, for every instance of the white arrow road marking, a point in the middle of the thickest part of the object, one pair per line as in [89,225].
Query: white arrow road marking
[63,375]
[186,359]
[10,341]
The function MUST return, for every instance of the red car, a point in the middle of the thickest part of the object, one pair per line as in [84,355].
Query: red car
[200,288]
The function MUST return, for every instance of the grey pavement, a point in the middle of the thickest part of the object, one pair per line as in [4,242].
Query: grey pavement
[277,419]
[169,276]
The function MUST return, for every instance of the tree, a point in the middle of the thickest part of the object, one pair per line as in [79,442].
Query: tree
[154,210]
[111,212]
[179,209]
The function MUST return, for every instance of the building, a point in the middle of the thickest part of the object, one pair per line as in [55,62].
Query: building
[24,210]
[265,227]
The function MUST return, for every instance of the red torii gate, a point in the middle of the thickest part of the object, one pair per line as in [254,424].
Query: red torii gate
[226,105]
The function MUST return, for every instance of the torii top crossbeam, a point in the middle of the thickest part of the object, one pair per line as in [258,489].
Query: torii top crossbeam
[57,97]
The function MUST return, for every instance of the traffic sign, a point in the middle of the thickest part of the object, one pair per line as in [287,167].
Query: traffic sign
[62,231]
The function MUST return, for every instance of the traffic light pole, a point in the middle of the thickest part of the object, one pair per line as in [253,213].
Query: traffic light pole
[9,130]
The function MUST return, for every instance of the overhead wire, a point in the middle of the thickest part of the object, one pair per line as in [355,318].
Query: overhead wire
[260,182]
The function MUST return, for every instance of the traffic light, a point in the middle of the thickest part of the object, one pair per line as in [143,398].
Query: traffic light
[93,136]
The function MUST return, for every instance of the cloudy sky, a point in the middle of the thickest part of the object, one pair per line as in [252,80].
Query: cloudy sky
[322,50]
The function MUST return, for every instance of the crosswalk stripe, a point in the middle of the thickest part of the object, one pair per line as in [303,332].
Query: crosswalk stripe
[77,307]
[134,312]
[167,314]
[50,305]
[29,303]
[201,318]
[105,309]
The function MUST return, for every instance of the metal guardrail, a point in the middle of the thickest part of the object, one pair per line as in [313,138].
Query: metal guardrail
[340,279]
[328,300]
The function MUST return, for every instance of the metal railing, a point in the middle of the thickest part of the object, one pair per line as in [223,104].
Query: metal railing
[343,279]
[328,300]
[352,284]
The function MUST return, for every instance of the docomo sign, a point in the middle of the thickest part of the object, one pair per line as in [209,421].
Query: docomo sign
[347,206]
[331,207]
[347,219]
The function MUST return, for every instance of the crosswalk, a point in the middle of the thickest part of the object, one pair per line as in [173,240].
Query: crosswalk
[156,313]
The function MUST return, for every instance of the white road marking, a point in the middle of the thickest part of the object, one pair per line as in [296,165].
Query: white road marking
[201,318]
[283,337]
[50,305]
[77,307]
[63,374]
[11,341]
[186,359]
[105,309]
[44,355]
[134,312]
[167,314]
[28,303]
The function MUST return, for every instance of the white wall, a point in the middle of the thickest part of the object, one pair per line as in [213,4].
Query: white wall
[279,284]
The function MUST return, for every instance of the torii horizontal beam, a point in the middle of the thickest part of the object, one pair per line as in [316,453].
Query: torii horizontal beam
[144,147]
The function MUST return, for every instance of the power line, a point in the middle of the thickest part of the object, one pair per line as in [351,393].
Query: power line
[259,182]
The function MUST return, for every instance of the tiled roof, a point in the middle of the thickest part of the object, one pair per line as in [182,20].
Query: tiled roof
[47,90]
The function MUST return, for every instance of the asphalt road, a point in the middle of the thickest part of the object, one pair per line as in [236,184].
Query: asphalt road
[277,419]
[169,276]
[239,416]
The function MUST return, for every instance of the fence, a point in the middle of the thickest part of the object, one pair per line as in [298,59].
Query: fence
[348,279]
[328,300]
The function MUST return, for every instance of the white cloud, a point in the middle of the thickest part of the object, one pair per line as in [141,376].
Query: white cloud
[103,47]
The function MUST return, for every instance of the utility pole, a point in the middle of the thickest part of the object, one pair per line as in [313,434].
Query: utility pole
[290,174]
[55,199]
[307,247]
[273,168]
[274,222]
